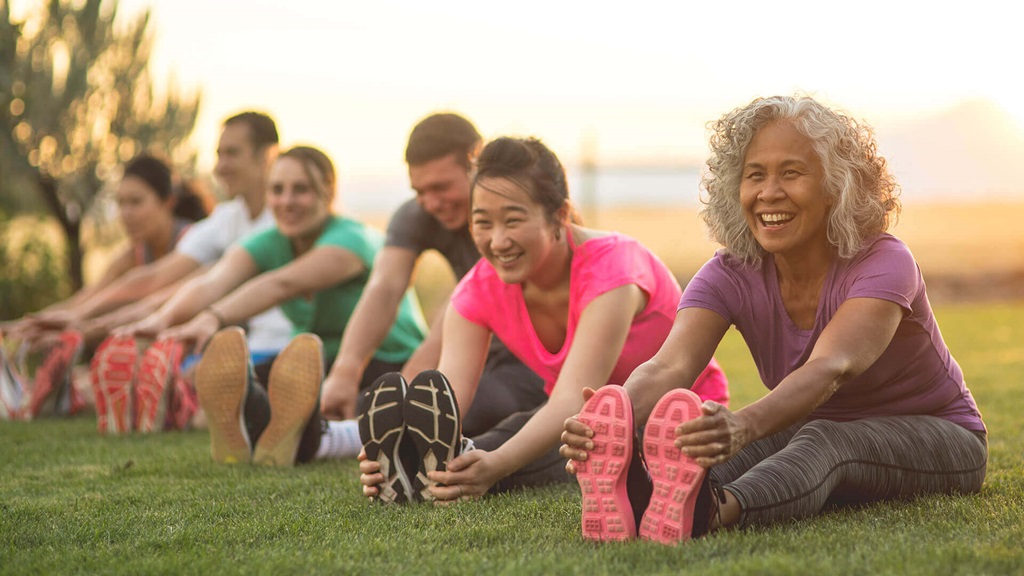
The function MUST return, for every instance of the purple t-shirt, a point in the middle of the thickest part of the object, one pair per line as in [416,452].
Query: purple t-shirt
[915,374]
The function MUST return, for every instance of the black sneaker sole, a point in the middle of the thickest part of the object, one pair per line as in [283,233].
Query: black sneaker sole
[381,428]
[432,420]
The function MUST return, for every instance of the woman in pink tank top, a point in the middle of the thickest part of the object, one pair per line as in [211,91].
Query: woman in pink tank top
[580,307]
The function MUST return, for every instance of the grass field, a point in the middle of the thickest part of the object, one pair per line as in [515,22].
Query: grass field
[74,502]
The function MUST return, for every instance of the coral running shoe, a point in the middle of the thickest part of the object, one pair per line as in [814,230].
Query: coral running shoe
[154,384]
[113,374]
[607,513]
[52,391]
[676,477]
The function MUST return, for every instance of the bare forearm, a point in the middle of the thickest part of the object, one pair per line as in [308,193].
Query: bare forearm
[651,380]
[793,399]
[253,297]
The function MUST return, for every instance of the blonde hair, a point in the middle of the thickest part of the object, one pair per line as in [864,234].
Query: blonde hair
[862,191]
[318,167]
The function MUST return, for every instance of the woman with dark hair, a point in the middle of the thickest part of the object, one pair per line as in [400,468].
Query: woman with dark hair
[579,307]
[155,213]
[865,401]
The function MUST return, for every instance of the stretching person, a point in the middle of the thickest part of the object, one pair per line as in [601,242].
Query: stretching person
[578,306]
[155,213]
[441,152]
[865,402]
[246,150]
[314,265]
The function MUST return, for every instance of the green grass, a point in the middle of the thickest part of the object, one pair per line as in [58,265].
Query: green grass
[74,502]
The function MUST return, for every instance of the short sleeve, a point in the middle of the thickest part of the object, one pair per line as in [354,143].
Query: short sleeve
[474,295]
[354,237]
[714,288]
[887,271]
[410,228]
[200,242]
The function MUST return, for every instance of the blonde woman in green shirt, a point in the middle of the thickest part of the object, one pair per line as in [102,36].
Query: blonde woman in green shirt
[314,265]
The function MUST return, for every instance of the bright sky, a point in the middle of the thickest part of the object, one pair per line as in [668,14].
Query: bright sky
[638,79]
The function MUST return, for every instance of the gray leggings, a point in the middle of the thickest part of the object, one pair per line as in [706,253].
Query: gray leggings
[797,472]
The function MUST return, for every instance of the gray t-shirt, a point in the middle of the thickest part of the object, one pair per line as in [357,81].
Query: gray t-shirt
[413,228]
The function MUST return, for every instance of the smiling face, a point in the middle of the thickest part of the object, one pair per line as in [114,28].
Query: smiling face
[782,192]
[512,232]
[143,213]
[442,189]
[299,206]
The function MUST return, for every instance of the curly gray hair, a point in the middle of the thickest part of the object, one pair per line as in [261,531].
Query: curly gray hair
[862,190]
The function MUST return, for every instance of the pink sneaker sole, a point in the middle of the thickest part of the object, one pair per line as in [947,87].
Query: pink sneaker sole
[51,393]
[112,373]
[152,393]
[676,477]
[607,513]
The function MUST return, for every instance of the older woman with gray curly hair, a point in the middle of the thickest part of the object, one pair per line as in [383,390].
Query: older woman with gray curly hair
[865,401]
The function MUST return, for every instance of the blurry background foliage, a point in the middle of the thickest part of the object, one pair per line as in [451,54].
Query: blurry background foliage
[76,101]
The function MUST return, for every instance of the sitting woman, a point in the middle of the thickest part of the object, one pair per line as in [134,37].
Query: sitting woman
[865,402]
[155,213]
[314,264]
[577,306]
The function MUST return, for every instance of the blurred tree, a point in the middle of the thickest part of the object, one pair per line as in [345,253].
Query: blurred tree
[77,100]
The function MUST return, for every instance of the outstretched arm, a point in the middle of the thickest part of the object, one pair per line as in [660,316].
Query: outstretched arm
[853,340]
[138,283]
[599,339]
[321,267]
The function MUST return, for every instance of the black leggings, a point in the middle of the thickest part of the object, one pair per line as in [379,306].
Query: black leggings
[797,472]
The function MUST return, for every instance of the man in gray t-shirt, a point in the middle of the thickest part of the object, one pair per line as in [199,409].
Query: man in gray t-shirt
[440,156]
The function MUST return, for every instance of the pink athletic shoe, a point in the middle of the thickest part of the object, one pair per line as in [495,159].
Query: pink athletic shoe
[183,403]
[607,513]
[112,374]
[153,387]
[52,391]
[676,477]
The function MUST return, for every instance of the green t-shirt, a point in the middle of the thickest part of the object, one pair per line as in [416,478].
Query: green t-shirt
[326,312]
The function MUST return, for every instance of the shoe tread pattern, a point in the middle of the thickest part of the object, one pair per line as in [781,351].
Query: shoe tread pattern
[381,430]
[676,477]
[293,391]
[222,377]
[607,513]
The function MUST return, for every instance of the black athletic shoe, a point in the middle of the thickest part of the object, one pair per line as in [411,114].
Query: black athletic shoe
[381,429]
[432,420]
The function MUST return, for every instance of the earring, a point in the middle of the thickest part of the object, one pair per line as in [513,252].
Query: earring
[558,233]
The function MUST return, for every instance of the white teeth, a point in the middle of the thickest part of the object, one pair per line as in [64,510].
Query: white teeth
[776,218]
[506,259]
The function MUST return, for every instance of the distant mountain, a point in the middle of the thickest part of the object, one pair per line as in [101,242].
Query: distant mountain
[972,150]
